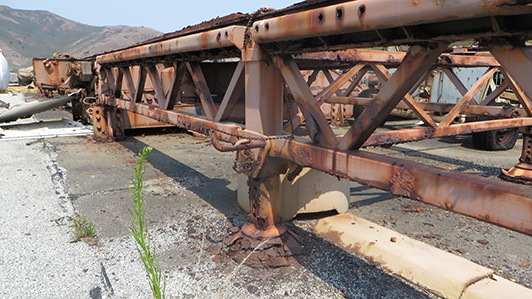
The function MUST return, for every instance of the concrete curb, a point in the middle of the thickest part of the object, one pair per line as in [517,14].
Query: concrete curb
[441,272]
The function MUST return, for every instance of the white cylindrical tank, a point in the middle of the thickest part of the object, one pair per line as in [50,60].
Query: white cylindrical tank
[4,72]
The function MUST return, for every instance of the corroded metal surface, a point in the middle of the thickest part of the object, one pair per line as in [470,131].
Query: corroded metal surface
[379,22]
[301,69]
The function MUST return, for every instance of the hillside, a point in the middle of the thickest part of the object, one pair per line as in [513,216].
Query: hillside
[25,34]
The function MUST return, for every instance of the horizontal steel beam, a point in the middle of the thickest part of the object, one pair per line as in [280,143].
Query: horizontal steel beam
[470,110]
[397,16]
[185,120]
[498,202]
[419,133]
[232,36]
[388,58]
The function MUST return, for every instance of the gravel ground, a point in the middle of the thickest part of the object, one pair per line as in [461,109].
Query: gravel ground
[37,256]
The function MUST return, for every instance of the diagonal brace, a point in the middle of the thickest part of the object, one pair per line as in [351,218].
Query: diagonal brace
[516,64]
[194,68]
[317,125]
[382,72]
[461,105]
[236,85]
[416,63]
[157,85]
[175,85]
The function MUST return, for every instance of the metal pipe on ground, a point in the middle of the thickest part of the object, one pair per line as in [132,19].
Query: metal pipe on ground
[29,109]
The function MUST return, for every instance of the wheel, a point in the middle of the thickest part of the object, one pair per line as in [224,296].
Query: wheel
[496,140]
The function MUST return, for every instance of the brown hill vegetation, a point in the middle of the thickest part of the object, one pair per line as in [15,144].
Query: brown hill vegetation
[25,34]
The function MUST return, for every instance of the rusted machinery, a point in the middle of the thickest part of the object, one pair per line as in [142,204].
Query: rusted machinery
[238,79]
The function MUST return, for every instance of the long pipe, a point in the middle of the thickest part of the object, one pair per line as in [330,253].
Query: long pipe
[26,110]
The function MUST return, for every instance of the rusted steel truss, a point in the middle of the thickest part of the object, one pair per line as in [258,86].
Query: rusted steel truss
[245,83]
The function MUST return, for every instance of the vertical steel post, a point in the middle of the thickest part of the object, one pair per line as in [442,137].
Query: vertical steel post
[516,62]
[264,114]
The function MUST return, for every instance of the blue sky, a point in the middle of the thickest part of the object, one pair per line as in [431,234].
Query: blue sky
[162,15]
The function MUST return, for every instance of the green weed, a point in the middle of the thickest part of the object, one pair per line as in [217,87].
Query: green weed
[139,230]
[83,228]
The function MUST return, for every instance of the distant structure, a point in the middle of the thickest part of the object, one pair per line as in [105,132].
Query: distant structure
[4,72]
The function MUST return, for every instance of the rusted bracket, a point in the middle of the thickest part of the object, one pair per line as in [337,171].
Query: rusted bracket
[251,161]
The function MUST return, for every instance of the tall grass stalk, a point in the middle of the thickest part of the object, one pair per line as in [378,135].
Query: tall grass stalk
[139,230]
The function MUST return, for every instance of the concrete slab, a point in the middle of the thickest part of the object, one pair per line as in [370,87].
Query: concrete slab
[442,273]
[496,287]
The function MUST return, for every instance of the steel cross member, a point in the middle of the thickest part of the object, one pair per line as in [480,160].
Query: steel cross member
[416,63]
[317,124]
[384,75]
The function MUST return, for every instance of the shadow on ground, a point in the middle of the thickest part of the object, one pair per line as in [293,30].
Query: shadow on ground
[353,277]
[212,190]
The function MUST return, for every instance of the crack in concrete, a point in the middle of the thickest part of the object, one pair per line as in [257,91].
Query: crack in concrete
[473,281]
[74,196]
[59,182]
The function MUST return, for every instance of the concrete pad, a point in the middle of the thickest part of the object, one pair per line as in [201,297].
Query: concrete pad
[441,272]
[496,287]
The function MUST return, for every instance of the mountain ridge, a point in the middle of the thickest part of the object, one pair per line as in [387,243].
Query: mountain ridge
[25,34]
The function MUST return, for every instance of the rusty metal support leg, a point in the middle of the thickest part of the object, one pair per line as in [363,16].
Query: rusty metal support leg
[516,63]
[522,172]
[263,219]
[115,124]
[264,238]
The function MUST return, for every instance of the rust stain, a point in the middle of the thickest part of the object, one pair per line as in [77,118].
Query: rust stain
[402,183]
